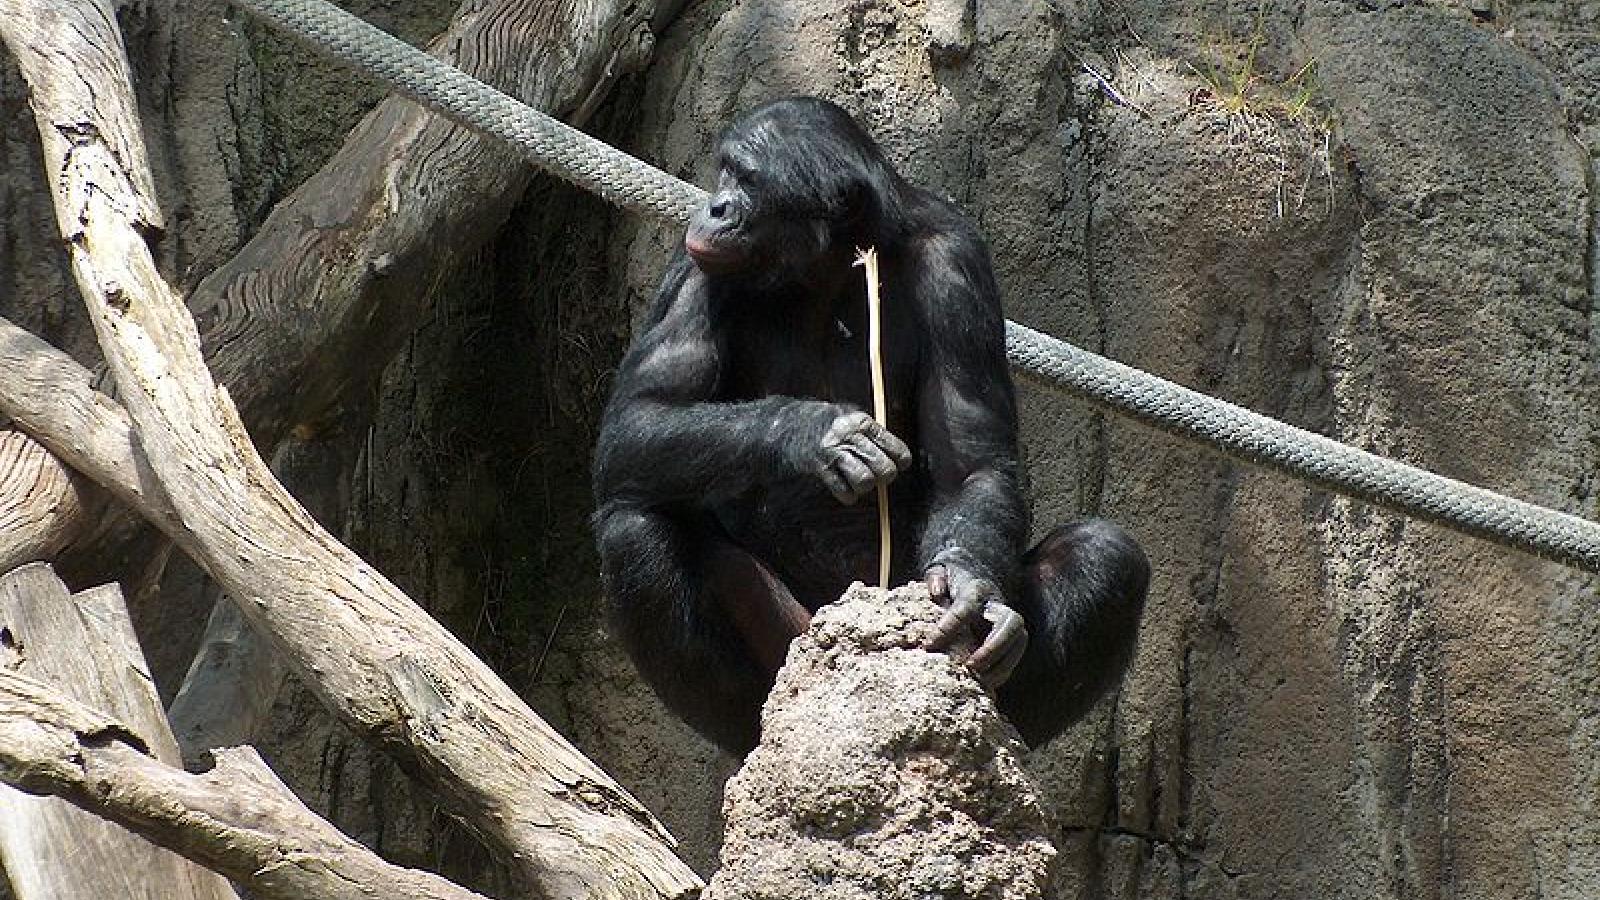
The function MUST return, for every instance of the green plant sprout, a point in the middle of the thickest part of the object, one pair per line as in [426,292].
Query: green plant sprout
[1244,92]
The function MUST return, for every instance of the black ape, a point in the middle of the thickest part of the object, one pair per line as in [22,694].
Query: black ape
[735,446]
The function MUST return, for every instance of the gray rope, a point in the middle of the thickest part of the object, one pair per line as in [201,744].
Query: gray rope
[1303,454]
[552,145]
[637,186]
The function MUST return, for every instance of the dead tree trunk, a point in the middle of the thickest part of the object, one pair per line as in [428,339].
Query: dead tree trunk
[83,645]
[310,311]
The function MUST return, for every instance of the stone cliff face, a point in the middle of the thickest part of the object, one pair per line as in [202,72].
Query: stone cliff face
[1373,220]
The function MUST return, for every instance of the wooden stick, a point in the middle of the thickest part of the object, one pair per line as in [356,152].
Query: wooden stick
[868,259]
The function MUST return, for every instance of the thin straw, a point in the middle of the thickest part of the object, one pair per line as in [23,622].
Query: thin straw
[869,259]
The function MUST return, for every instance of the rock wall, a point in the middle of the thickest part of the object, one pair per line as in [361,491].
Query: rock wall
[1372,220]
[1375,220]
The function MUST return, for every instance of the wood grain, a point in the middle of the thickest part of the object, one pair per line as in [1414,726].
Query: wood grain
[83,646]
[42,501]
[308,313]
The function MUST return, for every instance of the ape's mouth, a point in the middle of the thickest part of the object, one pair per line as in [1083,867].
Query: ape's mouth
[712,257]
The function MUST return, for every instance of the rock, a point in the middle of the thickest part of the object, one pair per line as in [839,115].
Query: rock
[884,771]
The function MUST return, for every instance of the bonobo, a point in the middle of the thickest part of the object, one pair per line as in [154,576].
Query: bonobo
[735,454]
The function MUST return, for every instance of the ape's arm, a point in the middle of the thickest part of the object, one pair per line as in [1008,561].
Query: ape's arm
[967,421]
[967,415]
[666,437]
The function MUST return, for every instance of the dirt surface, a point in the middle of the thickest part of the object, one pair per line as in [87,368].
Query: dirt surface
[884,773]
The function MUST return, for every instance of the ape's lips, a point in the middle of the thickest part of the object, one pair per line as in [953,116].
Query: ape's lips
[708,255]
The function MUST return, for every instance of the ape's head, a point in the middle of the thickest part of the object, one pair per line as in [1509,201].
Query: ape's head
[799,182]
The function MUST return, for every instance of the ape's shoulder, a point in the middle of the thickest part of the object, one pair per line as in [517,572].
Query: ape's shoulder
[942,233]
[948,261]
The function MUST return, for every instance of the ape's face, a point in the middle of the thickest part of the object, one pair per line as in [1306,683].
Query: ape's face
[727,234]
[785,199]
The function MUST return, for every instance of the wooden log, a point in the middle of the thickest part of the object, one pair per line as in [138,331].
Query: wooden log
[83,646]
[374,658]
[42,501]
[237,818]
[307,314]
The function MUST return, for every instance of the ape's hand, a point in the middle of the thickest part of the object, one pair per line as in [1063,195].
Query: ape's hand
[856,455]
[976,621]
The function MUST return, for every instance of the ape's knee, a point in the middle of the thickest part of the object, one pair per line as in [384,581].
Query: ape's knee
[618,528]
[1092,561]
[633,544]
[1085,595]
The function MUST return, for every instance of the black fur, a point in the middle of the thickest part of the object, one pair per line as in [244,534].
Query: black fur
[718,523]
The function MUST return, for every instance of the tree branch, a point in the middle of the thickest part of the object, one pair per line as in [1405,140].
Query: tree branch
[375,659]
[51,397]
[43,503]
[237,819]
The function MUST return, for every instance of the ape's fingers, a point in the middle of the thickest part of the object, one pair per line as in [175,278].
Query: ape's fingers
[883,468]
[1006,636]
[836,485]
[999,673]
[843,426]
[855,472]
[956,623]
[893,446]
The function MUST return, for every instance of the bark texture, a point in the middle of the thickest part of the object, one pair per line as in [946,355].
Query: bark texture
[884,773]
[84,647]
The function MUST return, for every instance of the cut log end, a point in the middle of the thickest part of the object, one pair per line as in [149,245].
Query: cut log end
[884,771]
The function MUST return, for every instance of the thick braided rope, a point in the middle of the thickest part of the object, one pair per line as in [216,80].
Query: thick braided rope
[549,144]
[1303,454]
[637,186]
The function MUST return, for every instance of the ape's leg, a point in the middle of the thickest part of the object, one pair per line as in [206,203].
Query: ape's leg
[1082,592]
[706,623]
